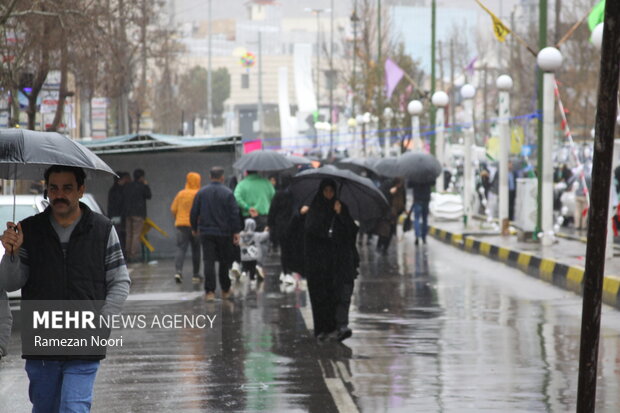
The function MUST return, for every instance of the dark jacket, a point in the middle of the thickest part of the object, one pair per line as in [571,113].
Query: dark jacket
[136,193]
[280,214]
[116,203]
[329,242]
[78,276]
[215,211]
[421,193]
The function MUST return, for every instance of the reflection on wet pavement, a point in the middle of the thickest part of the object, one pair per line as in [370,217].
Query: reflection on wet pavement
[435,330]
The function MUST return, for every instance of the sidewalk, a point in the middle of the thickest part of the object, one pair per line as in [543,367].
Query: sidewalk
[561,264]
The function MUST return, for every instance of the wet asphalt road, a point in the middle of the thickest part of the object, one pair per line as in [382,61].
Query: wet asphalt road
[435,330]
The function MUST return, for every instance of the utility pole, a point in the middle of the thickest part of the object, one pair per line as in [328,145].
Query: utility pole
[332,79]
[354,20]
[542,43]
[442,85]
[452,94]
[485,107]
[380,101]
[598,212]
[260,114]
[209,84]
[433,109]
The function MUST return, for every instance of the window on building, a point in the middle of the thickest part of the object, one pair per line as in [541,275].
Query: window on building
[245,81]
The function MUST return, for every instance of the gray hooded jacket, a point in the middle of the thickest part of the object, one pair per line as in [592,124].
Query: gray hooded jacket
[250,242]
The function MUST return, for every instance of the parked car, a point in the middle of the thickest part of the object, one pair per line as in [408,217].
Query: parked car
[25,206]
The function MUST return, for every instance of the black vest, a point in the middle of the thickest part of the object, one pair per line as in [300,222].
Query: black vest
[79,276]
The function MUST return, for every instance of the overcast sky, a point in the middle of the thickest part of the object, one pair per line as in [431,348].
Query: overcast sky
[194,10]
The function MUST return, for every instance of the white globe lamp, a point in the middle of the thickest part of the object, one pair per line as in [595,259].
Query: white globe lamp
[415,108]
[440,99]
[549,59]
[504,83]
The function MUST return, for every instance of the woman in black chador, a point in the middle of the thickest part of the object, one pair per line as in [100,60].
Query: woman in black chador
[331,261]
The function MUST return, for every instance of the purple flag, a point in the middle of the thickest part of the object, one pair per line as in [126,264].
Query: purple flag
[470,66]
[393,74]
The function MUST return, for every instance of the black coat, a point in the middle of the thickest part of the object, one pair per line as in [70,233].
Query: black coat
[330,253]
[116,201]
[281,213]
[136,193]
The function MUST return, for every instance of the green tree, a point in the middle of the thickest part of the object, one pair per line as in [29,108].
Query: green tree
[193,93]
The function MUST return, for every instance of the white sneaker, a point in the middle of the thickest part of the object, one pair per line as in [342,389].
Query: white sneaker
[303,284]
[236,270]
[289,279]
[282,276]
[260,272]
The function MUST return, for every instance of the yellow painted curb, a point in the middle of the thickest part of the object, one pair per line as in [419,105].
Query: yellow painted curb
[469,243]
[485,248]
[503,253]
[546,269]
[524,260]
[457,239]
[575,275]
[611,284]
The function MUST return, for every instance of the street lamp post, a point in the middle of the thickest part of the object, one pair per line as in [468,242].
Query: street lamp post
[352,124]
[415,109]
[504,85]
[440,100]
[388,115]
[549,60]
[366,117]
[468,92]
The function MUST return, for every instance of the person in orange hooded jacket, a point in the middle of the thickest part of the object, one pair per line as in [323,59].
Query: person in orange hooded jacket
[180,208]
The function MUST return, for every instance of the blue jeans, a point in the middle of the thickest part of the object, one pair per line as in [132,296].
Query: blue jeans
[420,212]
[61,386]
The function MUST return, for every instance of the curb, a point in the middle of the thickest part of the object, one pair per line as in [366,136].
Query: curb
[549,270]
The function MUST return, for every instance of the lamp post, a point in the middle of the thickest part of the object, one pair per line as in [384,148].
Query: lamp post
[549,60]
[352,124]
[388,115]
[317,13]
[366,117]
[415,109]
[468,92]
[440,100]
[504,85]
[597,40]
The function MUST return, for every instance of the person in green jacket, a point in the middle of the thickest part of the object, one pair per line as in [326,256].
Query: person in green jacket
[253,195]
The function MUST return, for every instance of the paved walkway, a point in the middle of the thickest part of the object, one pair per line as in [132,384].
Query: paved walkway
[561,264]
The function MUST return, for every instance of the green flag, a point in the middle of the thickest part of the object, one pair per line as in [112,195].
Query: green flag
[597,15]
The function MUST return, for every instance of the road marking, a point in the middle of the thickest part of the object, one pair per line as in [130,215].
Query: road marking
[336,386]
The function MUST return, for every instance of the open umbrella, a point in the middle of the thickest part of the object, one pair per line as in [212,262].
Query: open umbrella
[388,167]
[364,199]
[419,167]
[25,154]
[299,160]
[357,165]
[263,160]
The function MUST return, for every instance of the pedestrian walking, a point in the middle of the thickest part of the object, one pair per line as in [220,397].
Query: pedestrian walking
[254,194]
[136,194]
[66,252]
[251,252]
[330,261]
[215,218]
[279,219]
[181,208]
[421,199]
[116,204]
[394,192]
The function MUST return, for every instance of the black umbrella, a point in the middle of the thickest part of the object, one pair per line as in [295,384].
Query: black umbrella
[419,167]
[25,154]
[357,165]
[262,160]
[388,167]
[364,199]
[299,160]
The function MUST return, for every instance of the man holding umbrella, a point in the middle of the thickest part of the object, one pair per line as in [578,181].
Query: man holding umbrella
[66,252]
